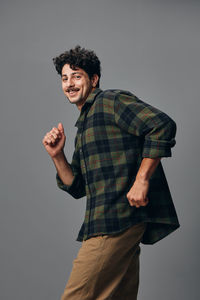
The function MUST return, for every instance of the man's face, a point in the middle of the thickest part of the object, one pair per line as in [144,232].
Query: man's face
[77,85]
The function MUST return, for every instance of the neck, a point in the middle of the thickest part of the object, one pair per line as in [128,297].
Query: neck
[80,105]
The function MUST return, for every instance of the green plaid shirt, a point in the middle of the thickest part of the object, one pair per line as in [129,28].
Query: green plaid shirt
[115,131]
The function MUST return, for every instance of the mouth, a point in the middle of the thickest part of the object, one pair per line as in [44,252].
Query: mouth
[72,92]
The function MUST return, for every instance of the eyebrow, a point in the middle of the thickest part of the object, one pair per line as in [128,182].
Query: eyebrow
[74,73]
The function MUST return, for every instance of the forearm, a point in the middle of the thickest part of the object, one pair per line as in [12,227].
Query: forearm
[137,196]
[63,168]
[147,168]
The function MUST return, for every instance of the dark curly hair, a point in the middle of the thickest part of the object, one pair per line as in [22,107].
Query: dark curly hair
[81,58]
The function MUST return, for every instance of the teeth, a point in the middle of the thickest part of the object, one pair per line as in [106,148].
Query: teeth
[73,91]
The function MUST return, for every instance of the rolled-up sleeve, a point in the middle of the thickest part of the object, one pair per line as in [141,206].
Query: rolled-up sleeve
[77,188]
[141,119]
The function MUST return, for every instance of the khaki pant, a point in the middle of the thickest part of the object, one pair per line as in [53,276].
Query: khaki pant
[107,267]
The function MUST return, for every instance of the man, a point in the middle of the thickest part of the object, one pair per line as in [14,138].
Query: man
[116,163]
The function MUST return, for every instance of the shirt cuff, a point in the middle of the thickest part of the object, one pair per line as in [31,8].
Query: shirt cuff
[154,149]
[63,186]
[76,189]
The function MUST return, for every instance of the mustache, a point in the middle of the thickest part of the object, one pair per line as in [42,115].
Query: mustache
[72,90]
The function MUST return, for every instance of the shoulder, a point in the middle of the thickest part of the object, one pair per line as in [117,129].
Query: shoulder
[115,99]
[116,92]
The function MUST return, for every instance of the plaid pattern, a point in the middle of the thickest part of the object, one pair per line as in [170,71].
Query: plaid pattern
[115,131]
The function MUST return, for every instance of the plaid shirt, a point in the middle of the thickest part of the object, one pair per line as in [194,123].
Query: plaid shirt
[115,131]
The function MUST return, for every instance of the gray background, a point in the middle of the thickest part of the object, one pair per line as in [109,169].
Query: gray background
[149,47]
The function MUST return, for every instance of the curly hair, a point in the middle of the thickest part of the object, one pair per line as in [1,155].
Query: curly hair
[81,58]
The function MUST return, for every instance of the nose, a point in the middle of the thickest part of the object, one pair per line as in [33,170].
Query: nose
[70,82]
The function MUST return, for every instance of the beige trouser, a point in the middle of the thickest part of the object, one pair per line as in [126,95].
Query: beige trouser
[107,267]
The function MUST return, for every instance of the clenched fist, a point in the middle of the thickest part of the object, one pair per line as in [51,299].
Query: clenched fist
[54,141]
[137,196]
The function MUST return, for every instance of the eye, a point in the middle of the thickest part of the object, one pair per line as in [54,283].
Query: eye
[78,76]
[64,79]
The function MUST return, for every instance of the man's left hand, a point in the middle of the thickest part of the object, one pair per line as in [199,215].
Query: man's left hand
[137,196]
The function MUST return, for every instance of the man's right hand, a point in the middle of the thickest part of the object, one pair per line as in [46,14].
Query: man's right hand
[54,141]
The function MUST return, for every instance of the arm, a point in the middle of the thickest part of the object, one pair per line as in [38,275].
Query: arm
[137,196]
[63,168]
[68,176]
[156,129]
[54,142]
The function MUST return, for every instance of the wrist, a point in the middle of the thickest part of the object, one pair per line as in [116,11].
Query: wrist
[59,156]
[143,178]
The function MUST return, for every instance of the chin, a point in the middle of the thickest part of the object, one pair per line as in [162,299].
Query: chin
[74,101]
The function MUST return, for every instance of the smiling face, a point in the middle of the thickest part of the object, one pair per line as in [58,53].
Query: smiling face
[77,85]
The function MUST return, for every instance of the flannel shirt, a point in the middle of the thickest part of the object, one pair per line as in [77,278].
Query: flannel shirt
[116,130]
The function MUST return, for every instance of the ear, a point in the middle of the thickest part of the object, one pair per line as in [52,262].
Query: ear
[94,80]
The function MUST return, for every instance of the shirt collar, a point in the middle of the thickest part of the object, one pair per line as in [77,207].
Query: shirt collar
[90,99]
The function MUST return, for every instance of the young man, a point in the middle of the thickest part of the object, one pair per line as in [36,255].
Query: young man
[116,163]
